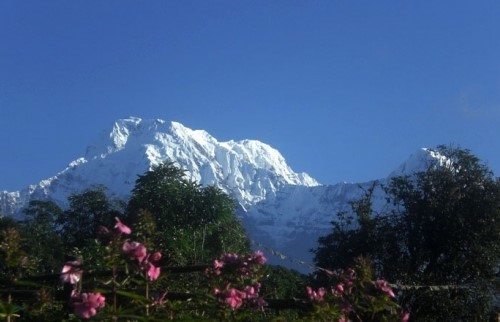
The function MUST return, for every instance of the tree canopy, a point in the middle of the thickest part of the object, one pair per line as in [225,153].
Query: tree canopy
[444,229]
[88,212]
[193,223]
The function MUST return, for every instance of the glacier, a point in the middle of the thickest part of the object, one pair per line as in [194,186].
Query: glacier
[283,211]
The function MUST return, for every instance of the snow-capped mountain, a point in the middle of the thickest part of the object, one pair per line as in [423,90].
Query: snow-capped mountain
[285,210]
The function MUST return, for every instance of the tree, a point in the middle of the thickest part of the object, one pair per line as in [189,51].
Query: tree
[42,236]
[87,213]
[444,230]
[282,283]
[360,233]
[193,224]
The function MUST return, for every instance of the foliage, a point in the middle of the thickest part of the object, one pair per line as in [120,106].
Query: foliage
[280,282]
[132,287]
[444,230]
[42,235]
[353,295]
[117,273]
[14,265]
[235,283]
[88,212]
[13,258]
[192,223]
[133,267]
[8,222]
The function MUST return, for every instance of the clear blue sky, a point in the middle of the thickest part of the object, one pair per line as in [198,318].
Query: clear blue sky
[345,90]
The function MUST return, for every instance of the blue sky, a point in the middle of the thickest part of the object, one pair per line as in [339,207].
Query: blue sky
[345,90]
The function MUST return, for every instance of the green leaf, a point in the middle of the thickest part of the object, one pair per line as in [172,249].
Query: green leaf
[132,295]
[28,283]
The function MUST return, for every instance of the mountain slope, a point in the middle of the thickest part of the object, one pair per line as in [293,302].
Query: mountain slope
[248,170]
[285,210]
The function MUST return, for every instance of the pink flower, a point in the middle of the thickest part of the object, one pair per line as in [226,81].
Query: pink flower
[156,256]
[316,295]
[244,270]
[259,258]
[250,291]
[234,298]
[343,319]
[384,287]
[339,288]
[122,228]
[231,296]
[349,277]
[89,304]
[405,317]
[153,272]
[216,268]
[136,250]
[252,294]
[161,300]
[229,258]
[218,264]
[259,302]
[71,272]
[74,296]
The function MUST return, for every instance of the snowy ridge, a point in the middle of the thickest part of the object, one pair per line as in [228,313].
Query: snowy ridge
[297,216]
[250,171]
[280,208]
[420,161]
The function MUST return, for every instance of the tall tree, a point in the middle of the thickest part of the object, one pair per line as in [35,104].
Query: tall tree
[193,224]
[444,230]
[42,236]
[87,213]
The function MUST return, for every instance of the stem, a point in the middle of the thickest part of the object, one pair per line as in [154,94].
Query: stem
[147,297]
[115,250]
[114,288]
[194,246]
[203,242]
[9,300]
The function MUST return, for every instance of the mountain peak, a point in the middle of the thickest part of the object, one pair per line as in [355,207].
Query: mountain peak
[285,209]
[121,132]
[248,170]
[420,161]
